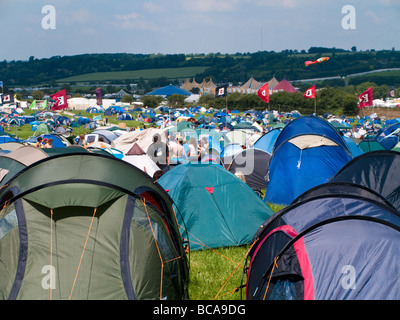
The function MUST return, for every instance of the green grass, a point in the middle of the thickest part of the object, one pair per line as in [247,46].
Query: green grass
[216,274]
[170,73]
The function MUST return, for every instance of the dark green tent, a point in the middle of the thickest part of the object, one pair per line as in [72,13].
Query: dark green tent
[88,226]
[368,145]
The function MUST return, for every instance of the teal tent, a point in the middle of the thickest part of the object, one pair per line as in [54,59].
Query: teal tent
[214,208]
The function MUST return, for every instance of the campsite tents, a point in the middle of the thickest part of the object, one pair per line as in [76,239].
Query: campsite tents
[388,136]
[125,116]
[254,164]
[338,241]
[137,157]
[59,141]
[107,136]
[11,146]
[376,170]
[369,145]
[97,229]
[42,129]
[169,90]
[214,208]
[307,152]
[266,142]
[5,138]
[143,138]
[17,160]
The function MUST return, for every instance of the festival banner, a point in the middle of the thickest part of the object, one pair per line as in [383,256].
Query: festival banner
[99,100]
[310,93]
[365,99]
[42,104]
[33,104]
[8,97]
[221,91]
[263,93]
[60,98]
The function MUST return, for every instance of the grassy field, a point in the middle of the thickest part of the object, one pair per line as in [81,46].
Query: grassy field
[170,73]
[216,274]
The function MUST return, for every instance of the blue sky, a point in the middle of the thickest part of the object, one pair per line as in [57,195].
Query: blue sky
[188,26]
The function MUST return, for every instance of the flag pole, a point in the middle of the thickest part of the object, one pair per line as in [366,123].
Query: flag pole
[315,106]
[226,107]
[315,103]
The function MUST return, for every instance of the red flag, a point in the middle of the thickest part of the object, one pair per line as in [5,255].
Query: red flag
[263,93]
[365,99]
[310,93]
[61,100]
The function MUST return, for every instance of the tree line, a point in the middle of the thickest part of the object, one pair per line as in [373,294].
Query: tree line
[221,68]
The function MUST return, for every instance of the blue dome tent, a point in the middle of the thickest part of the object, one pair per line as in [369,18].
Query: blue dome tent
[388,136]
[308,152]
[266,142]
[125,116]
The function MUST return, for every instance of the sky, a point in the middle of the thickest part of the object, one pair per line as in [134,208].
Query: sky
[43,29]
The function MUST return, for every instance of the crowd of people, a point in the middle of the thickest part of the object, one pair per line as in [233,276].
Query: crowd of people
[44,143]
[196,149]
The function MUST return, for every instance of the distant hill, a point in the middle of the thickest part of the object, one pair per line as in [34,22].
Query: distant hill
[222,68]
[170,73]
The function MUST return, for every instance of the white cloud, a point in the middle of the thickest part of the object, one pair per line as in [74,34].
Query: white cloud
[289,4]
[281,3]
[373,17]
[134,20]
[209,5]
[153,7]
[390,2]
[83,15]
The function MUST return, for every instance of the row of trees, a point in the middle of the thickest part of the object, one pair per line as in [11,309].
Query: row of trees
[221,68]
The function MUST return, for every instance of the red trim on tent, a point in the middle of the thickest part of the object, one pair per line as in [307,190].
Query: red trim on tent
[300,249]
[210,189]
[148,196]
